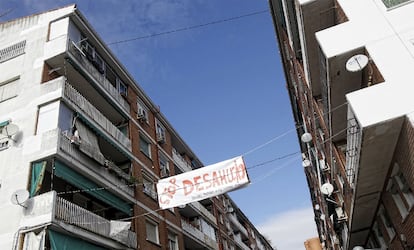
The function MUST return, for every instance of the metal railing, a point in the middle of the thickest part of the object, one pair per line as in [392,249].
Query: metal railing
[353,147]
[100,78]
[180,162]
[75,215]
[93,113]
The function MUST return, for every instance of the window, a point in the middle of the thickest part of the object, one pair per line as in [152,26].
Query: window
[401,192]
[383,215]
[110,76]
[142,114]
[152,231]
[164,166]
[47,117]
[379,237]
[160,133]
[4,145]
[88,49]
[393,3]
[145,146]
[8,89]
[149,188]
[99,63]
[122,88]
[12,51]
[172,241]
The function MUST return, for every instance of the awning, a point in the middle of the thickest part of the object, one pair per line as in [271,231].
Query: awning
[4,123]
[89,142]
[92,188]
[104,136]
[59,241]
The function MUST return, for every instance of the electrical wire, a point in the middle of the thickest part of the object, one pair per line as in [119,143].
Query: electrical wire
[190,27]
[290,131]
[247,168]
[260,179]
[5,13]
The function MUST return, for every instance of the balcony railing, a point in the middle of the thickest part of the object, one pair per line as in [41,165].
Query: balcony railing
[93,113]
[196,233]
[240,243]
[354,137]
[75,215]
[236,222]
[88,66]
[180,162]
[48,208]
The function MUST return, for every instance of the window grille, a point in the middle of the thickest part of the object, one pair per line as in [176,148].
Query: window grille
[12,51]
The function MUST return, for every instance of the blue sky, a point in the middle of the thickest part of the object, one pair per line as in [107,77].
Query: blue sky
[222,88]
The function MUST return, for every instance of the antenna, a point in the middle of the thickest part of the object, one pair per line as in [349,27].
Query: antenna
[356,63]
[19,197]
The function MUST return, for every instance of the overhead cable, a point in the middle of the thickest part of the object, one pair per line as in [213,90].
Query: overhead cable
[189,27]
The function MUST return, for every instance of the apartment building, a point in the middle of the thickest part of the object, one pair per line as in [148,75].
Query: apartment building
[82,147]
[348,67]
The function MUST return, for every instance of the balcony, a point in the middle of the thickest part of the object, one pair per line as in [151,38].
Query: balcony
[240,243]
[199,236]
[180,162]
[95,117]
[196,209]
[79,59]
[370,149]
[237,224]
[73,151]
[48,208]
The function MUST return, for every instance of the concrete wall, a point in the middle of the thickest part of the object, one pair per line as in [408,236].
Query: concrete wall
[22,111]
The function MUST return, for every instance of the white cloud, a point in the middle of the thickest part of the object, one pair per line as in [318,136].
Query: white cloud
[290,229]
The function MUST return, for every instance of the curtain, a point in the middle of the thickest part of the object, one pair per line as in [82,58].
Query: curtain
[84,183]
[38,172]
[33,241]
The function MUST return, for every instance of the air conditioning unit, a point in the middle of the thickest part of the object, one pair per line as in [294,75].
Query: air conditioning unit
[161,138]
[164,172]
[323,165]
[141,115]
[340,214]
[229,209]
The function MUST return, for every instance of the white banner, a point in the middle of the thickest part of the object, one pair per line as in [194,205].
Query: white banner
[202,183]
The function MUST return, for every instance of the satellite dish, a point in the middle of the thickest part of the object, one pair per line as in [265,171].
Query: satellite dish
[9,130]
[306,163]
[306,137]
[327,189]
[356,63]
[19,197]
